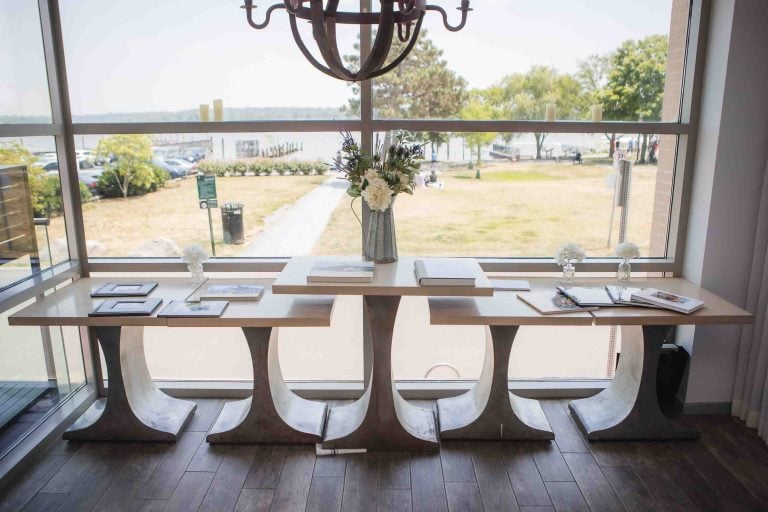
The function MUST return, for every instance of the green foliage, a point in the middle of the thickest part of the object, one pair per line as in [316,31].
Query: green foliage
[479,107]
[635,83]
[261,167]
[45,189]
[131,171]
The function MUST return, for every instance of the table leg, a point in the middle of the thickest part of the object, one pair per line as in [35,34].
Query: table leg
[134,409]
[381,419]
[274,414]
[628,408]
[489,410]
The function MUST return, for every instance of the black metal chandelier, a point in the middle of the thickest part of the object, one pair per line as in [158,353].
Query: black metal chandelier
[406,19]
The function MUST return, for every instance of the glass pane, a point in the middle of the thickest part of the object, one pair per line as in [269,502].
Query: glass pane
[514,58]
[24,87]
[509,203]
[282,181]
[39,367]
[32,231]
[208,52]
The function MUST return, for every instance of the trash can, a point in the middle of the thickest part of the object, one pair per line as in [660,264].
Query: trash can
[673,362]
[232,223]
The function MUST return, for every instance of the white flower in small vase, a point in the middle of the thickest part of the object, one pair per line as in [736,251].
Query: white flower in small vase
[626,251]
[566,256]
[194,256]
[377,194]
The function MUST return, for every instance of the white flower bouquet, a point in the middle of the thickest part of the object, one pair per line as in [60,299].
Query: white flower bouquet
[380,177]
[194,255]
[569,254]
[627,251]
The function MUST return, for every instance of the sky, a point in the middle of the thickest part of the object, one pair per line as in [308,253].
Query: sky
[152,55]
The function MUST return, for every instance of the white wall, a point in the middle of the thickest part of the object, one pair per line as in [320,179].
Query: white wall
[729,171]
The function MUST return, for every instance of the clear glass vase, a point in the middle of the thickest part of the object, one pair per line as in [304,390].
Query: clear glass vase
[624,271]
[196,272]
[380,242]
[569,273]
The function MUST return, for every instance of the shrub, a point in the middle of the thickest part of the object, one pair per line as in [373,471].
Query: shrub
[148,179]
[237,168]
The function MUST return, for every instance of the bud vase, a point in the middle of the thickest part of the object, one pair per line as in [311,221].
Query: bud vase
[380,243]
[624,271]
[569,272]
[196,271]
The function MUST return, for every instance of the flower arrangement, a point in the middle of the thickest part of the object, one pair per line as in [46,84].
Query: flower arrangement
[378,178]
[566,256]
[194,256]
[626,251]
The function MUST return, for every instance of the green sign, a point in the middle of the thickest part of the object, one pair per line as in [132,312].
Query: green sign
[206,187]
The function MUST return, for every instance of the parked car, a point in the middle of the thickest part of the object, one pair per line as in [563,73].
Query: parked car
[175,171]
[90,179]
[193,154]
[191,167]
[82,165]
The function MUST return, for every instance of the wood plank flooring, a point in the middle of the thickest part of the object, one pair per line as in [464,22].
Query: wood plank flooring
[727,469]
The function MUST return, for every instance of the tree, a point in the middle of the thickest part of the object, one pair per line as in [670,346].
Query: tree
[524,96]
[478,108]
[592,74]
[421,87]
[635,85]
[130,166]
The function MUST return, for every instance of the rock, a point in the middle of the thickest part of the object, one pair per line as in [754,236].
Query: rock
[158,248]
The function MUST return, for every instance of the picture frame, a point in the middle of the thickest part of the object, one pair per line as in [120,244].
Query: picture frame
[133,289]
[126,307]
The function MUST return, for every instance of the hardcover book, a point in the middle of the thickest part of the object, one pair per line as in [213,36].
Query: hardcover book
[622,296]
[444,272]
[124,290]
[126,307]
[341,272]
[668,300]
[510,285]
[552,303]
[587,295]
[234,292]
[205,309]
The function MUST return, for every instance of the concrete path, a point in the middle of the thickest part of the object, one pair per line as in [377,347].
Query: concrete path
[294,230]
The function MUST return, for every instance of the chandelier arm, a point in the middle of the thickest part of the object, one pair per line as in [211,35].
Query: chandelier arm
[400,58]
[403,37]
[249,14]
[326,44]
[464,10]
[381,44]
[305,51]
[293,6]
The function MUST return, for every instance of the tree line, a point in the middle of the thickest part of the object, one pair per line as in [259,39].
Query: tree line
[628,82]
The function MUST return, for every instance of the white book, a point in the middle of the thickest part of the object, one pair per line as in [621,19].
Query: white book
[552,303]
[204,309]
[587,295]
[341,272]
[444,272]
[510,285]
[668,300]
[234,292]
[622,296]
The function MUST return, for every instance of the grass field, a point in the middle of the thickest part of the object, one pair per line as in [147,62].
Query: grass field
[123,226]
[515,209]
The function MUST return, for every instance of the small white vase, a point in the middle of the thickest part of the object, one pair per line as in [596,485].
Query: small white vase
[196,272]
[624,271]
[569,272]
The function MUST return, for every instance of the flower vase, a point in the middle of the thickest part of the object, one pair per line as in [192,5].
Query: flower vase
[196,271]
[624,271]
[380,243]
[569,272]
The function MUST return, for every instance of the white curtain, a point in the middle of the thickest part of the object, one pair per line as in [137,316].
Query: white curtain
[750,398]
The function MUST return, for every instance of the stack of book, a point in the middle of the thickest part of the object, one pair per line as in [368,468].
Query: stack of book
[341,272]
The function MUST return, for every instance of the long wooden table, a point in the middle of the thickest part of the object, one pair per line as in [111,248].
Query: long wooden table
[381,419]
[134,409]
[628,407]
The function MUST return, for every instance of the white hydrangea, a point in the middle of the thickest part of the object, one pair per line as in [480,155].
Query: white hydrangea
[627,251]
[569,253]
[194,254]
[377,194]
[371,175]
[403,179]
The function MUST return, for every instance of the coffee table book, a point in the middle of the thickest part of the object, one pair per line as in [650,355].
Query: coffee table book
[668,300]
[233,292]
[126,307]
[341,272]
[552,303]
[510,285]
[622,296]
[124,290]
[587,296]
[444,272]
[205,309]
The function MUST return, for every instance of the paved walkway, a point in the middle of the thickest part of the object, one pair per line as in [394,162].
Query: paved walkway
[294,230]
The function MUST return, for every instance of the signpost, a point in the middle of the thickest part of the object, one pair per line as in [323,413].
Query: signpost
[206,194]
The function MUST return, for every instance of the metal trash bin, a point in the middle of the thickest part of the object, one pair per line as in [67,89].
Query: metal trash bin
[232,223]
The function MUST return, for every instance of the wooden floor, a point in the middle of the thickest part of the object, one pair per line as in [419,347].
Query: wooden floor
[726,470]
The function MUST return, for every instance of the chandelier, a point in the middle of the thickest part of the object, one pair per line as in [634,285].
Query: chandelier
[406,19]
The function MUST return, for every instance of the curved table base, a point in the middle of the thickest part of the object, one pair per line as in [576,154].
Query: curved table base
[381,419]
[134,410]
[628,408]
[489,410]
[274,414]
